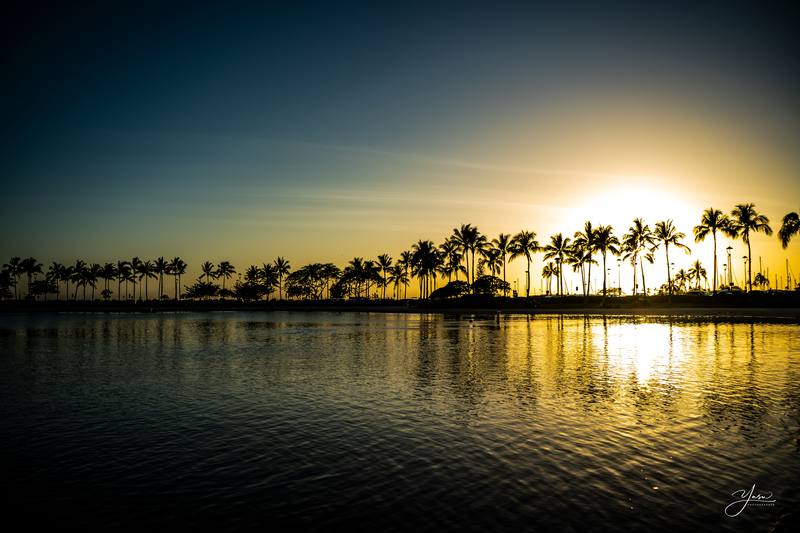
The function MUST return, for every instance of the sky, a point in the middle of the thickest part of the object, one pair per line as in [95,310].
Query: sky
[324,131]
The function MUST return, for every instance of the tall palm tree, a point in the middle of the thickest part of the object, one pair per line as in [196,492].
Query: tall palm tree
[451,257]
[13,267]
[177,267]
[697,273]
[425,259]
[108,273]
[665,233]
[208,271]
[30,267]
[385,263]
[789,228]
[398,276]
[502,244]
[549,272]
[160,267]
[282,268]
[225,270]
[78,275]
[578,256]
[56,273]
[606,241]
[491,259]
[744,221]
[524,244]
[557,249]
[269,277]
[712,221]
[136,266]
[123,267]
[636,244]
[587,240]
[406,259]
[94,272]
[145,272]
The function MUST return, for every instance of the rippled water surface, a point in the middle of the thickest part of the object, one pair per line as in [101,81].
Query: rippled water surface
[398,422]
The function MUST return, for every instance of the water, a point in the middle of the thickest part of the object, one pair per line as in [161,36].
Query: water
[398,422]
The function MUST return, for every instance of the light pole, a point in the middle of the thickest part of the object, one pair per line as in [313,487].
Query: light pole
[729,249]
[750,287]
[619,277]
[608,279]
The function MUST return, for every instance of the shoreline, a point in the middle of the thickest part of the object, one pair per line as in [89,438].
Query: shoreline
[787,310]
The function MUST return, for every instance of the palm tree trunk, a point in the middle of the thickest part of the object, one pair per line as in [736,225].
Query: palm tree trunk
[505,290]
[633,291]
[749,268]
[714,234]
[669,276]
[604,273]
[644,287]
[528,281]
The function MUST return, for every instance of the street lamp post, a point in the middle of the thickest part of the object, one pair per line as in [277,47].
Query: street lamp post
[744,277]
[619,277]
[729,249]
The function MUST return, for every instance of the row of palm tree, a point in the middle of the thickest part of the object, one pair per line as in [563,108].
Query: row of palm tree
[466,251]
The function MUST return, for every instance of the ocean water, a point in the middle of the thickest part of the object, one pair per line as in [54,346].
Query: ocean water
[399,422]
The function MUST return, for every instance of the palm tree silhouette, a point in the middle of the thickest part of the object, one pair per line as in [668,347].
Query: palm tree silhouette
[549,271]
[502,244]
[108,273]
[13,267]
[385,263]
[587,241]
[56,273]
[665,233]
[177,267]
[557,249]
[606,241]
[697,273]
[93,274]
[398,276]
[30,267]
[712,221]
[207,269]
[491,259]
[225,270]
[405,261]
[136,266]
[282,268]
[146,272]
[123,271]
[744,221]
[635,245]
[160,267]
[524,244]
[269,277]
[789,228]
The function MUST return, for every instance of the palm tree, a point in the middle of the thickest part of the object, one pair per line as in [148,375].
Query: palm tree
[108,273]
[712,221]
[385,263]
[225,270]
[635,244]
[606,241]
[177,267]
[744,221]
[760,280]
[681,279]
[789,228]
[665,233]
[587,239]
[502,244]
[94,272]
[146,272]
[136,266]
[697,273]
[405,261]
[557,249]
[13,267]
[578,256]
[77,276]
[269,277]
[549,272]
[492,260]
[56,273]
[398,276]
[425,259]
[123,268]
[524,244]
[160,266]
[451,256]
[30,267]
[282,268]
[207,269]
